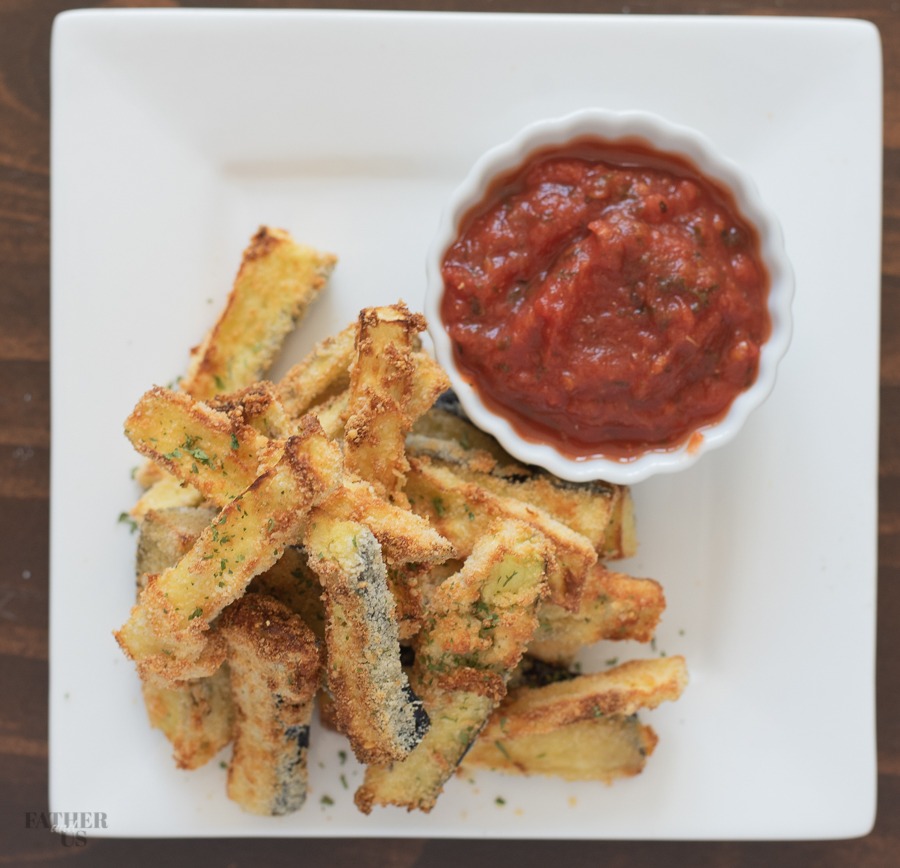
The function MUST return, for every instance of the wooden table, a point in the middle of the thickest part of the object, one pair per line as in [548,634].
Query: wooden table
[25,476]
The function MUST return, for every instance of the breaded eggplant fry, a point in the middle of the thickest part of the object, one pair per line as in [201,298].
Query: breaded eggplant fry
[622,690]
[292,582]
[322,375]
[614,607]
[147,474]
[374,703]
[275,672]
[621,535]
[167,493]
[405,581]
[482,617]
[197,718]
[450,452]
[217,455]
[167,535]
[600,749]
[429,383]
[320,384]
[461,512]
[586,508]
[257,406]
[478,624]
[417,781]
[381,383]
[166,634]
[277,280]
[446,420]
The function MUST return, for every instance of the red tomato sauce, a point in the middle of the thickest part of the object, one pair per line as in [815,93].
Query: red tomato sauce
[606,298]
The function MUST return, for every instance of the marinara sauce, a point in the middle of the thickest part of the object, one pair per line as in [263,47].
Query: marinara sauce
[606,298]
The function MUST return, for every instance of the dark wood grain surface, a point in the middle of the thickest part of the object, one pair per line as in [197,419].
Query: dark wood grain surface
[25,475]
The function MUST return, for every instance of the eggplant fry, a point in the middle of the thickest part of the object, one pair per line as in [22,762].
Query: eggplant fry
[429,383]
[217,455]
[277,280]
[461,511]
[166,493]
[406,540]
[166,634]
[148,474]
[599,749]
[290,581]
[322,375]
[447,421]
[167,535]
[197,718]
[381,382]
[622,690]
[374,703]
[621,536]
[614,607]
[580,728]
[275,671]
[585,508]
[477,627]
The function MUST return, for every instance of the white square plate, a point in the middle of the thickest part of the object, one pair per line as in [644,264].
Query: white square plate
[176,133]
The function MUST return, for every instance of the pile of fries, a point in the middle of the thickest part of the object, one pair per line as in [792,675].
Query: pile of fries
[347,537]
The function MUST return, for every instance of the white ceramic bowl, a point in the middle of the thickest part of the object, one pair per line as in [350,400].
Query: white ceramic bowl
[666,137]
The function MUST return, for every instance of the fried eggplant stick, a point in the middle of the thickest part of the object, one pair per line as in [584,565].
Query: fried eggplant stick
[217,455]
[444,432]
[585,508]
[277,280]
[381,383]
[461,511]
[614,607]
[275,670]
[374,704]
[480,621]
[622,690]
[322,375]
[198,717]
[168,633]
[582,728]
[593,749]
[293,583]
